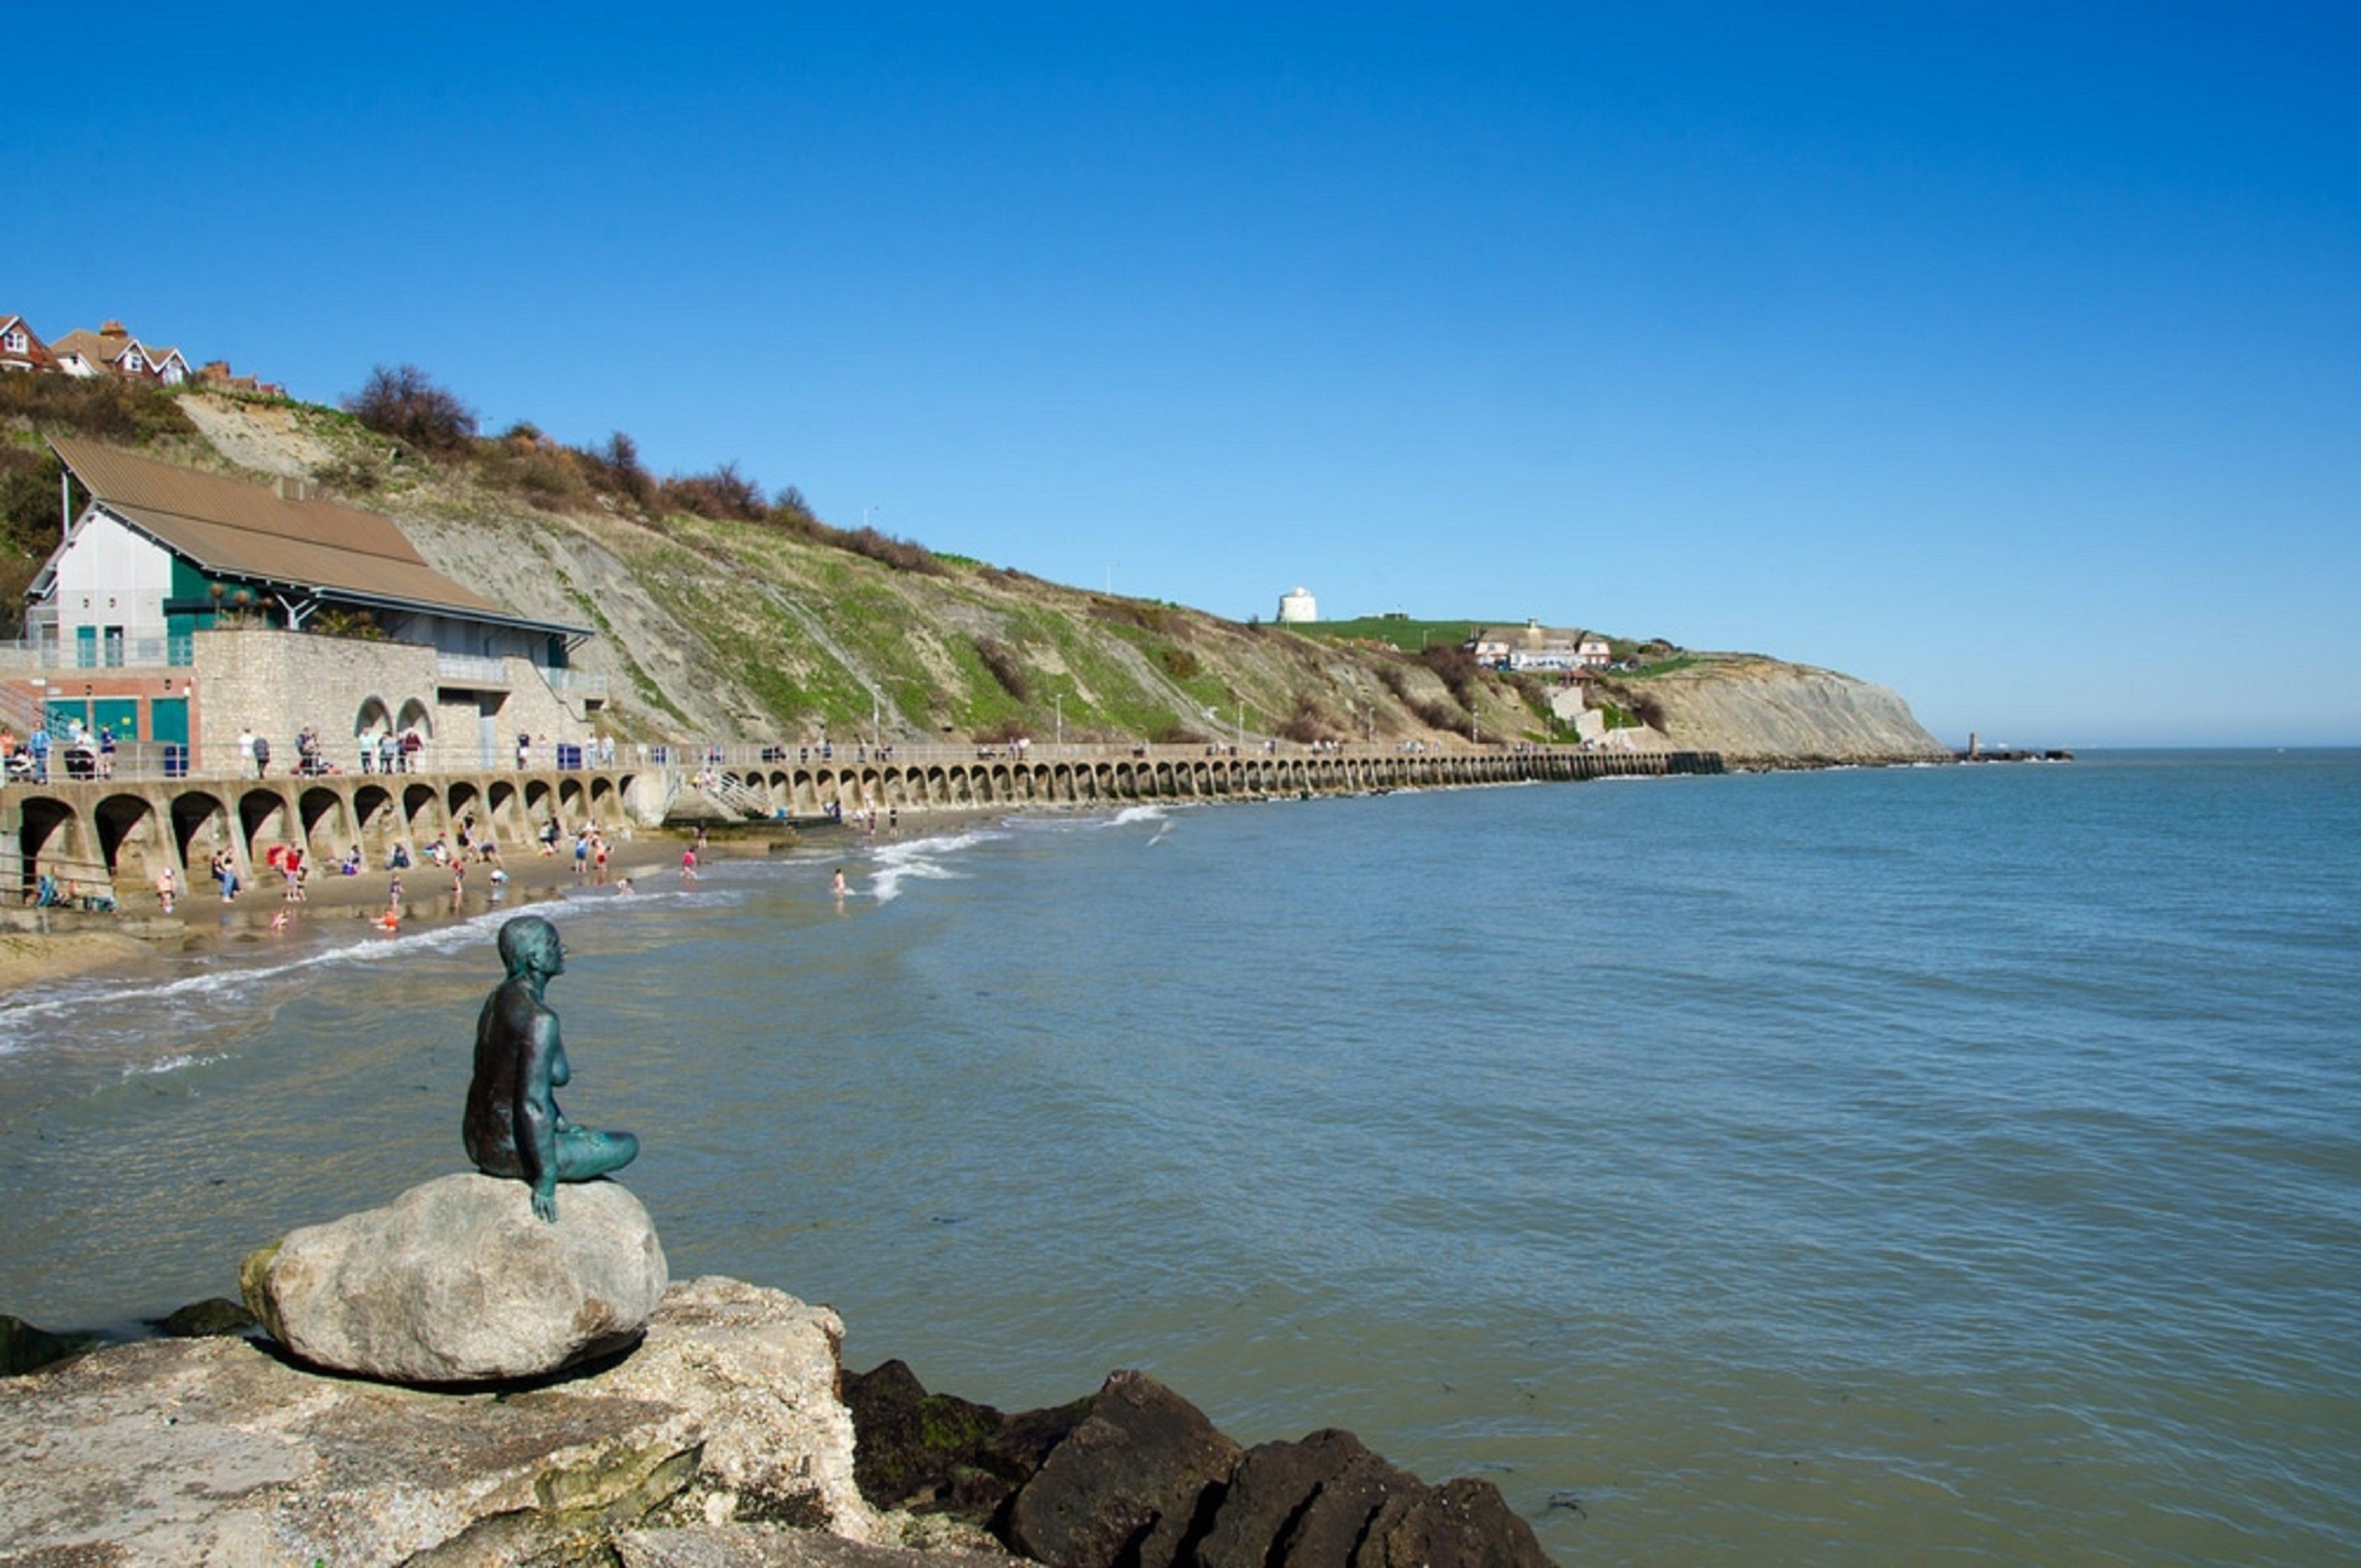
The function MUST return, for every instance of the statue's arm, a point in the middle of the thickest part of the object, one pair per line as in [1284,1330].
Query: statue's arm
[536,1114]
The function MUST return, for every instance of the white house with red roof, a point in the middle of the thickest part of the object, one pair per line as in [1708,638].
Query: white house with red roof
[113,350]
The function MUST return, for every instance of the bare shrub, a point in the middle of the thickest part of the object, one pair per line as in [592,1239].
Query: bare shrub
[614,470]
[1310,721]
[1176,735]
[1006,668]
[403,402]
[1181,663]
[1457,668]
[723,494]
[1003,733]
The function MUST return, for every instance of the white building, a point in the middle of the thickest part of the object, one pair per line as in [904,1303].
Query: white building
[1297,605]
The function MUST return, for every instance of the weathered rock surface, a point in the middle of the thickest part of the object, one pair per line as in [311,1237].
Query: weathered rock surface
[1137,1478]
[1127,1482]
[25,1348]
[457,1281]
[212,1451]
[745,1546]
[1761,712]
[214,1315]
[939,1452]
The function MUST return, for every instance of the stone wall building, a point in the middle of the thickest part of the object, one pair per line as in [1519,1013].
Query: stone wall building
[181,608]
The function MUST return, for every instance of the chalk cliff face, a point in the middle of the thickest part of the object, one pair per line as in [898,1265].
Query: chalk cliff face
[1761,712]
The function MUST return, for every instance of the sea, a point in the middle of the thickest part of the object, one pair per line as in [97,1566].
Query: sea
[1928,1165]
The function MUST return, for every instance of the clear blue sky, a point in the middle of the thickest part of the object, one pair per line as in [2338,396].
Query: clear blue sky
[2008,355]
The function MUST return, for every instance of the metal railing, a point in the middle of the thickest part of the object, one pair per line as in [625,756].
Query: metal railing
[160,651]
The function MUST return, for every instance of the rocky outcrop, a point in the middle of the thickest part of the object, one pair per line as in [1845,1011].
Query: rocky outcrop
[214,1450]
[1137,1478]
[457,1281]
[1761,713]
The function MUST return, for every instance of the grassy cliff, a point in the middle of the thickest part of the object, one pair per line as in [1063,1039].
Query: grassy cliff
[725,612]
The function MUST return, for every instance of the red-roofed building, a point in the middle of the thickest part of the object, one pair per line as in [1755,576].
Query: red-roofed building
[21,348]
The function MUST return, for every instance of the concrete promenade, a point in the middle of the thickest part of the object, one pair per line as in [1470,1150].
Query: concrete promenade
[126,830]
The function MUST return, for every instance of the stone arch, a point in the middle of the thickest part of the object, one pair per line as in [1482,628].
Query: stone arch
[420,807]
[193,813]
[127,822]
[375,820]
[372,718]
[260,811]
[322,811]
[47,825]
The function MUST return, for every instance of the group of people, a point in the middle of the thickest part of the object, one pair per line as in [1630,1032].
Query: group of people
[387,753]
[83,752]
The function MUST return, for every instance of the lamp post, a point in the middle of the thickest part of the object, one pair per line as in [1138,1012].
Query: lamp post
[1057,700]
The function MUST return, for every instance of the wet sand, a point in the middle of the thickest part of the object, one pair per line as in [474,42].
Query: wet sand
[143,936]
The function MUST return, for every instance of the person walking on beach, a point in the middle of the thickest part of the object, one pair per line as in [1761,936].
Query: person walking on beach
[689,865]
[167,886]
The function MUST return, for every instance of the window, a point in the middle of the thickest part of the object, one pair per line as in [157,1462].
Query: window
[15,340]
[132,362]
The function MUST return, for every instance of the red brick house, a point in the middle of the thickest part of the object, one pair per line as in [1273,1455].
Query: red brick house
[21,348]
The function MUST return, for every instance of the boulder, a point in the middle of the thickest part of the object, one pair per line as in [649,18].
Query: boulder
[1464,1523]
[197,1450]
[1128,1484]
[457,1281]
[1300,1504]
[24,1348]
[937,1453]
[213,1315]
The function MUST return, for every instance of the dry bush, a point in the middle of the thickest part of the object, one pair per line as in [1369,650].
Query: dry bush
[1310,721]
[1457,668]
[108,408]
[724,493]
[1006,731]
[1181,663]
[1177,735]
[614,470]
[403,402]
[1006,668]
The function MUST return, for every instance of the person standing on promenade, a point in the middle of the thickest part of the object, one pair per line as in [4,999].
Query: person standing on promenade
[261,756]
[524,752]
[245,749]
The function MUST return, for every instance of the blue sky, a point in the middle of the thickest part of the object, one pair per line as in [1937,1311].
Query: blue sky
[2010,357]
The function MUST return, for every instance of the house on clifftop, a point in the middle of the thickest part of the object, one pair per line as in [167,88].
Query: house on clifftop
[258,606]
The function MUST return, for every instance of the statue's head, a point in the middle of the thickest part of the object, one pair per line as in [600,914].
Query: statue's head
[529,942]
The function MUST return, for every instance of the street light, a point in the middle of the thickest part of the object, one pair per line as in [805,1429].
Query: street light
[1058,701]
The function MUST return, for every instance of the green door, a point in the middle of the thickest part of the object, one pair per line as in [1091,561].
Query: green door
[85,647]
[120,714]
[167,726]
[63,716]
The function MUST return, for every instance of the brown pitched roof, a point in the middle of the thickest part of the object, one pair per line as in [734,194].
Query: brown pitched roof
[103,348]
[236,529]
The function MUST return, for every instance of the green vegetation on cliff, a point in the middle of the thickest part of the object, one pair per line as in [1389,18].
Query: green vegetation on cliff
[723,609]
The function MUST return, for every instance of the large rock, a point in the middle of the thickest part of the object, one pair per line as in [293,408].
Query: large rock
[457,1281]
[1300,1504]
[752,1546]
[937,1453]
[212,1451]
[1127,1485]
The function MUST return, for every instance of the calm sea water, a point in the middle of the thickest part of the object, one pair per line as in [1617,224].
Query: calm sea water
[1954,1165]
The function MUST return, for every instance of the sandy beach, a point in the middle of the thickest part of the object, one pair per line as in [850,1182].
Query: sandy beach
[144,936]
